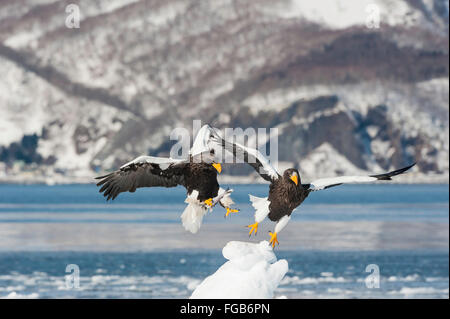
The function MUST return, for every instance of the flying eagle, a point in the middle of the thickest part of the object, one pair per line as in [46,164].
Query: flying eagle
[198,174]
[286,191]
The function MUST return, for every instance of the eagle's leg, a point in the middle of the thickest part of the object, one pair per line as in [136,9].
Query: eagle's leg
[278,227]
[230,210]
[273,239]
[253,228]
[258,219]
[209,202]
[262,210]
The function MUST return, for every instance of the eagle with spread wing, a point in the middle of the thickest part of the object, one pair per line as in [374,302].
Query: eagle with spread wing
[286,192]
[198,174]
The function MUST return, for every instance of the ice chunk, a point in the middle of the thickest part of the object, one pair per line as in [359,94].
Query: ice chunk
[252,271]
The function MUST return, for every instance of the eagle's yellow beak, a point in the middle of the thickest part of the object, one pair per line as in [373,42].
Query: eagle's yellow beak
[218,167]
[294,178]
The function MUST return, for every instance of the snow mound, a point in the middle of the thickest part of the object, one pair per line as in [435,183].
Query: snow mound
[251,272]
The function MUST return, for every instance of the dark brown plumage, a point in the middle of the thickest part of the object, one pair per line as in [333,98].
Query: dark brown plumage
[285,195]
[201,177]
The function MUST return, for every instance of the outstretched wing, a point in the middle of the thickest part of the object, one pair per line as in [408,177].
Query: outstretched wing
[250,156]
[201,143]
[325,183]
[144,171]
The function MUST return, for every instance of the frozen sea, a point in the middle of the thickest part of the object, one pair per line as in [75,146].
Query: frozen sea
[135,247]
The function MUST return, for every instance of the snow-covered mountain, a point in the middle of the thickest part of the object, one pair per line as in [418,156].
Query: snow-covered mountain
[346,96]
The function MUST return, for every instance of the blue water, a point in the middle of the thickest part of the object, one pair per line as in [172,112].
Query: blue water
[344,203]
[175,274]
[322,273]
[344,194]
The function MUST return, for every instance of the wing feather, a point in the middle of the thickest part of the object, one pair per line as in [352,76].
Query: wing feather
[144,171]
[202,141]
[250,156]
[325,183]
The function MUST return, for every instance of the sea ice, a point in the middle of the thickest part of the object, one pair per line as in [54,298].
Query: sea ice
[252,271]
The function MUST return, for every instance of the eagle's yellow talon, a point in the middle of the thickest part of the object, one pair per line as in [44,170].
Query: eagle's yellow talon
[209,202]
[273,239]
[253,228]
[229,210]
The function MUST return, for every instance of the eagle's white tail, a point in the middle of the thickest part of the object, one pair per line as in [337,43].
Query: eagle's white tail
[195,210]
[261,205]
[193,215]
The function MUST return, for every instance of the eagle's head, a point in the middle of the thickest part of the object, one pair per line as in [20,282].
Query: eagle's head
[292,176]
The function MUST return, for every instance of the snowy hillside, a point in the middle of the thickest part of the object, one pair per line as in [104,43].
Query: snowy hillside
[345,98]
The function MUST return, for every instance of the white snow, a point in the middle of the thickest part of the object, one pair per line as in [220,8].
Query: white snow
[15,295]
[251,272]
[27,35]
[326,161]
[340,14]
[23,93]
[409,292]
[408,105]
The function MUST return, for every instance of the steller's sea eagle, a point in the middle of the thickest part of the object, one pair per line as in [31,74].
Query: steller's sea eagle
[286,192]
[198,174]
